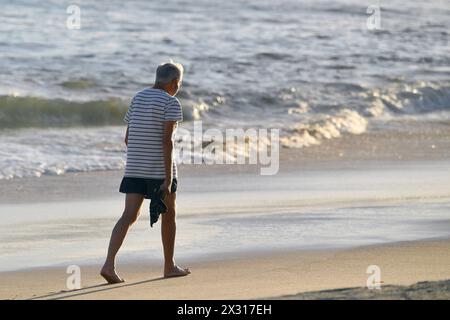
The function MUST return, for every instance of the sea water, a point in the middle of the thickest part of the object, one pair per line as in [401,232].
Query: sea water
[313,69]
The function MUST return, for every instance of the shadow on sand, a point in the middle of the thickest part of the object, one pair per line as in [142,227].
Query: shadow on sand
[88,290]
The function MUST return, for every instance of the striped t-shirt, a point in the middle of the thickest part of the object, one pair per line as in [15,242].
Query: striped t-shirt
[145,117]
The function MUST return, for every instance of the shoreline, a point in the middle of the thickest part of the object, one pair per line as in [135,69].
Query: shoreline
[429,143]
[95,185]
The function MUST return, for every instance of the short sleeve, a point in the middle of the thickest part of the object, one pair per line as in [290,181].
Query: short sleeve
[129,112]
[173,110]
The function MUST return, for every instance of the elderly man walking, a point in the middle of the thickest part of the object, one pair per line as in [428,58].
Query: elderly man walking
[152,120]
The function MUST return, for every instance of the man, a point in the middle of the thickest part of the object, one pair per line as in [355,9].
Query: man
[152,120]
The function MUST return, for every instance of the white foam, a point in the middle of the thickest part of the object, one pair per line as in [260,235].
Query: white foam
[34,152]
[327,127]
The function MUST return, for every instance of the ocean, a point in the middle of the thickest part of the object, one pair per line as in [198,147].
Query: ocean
[312,69]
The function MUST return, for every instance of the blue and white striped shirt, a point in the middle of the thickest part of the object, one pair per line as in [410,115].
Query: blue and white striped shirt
[145,117]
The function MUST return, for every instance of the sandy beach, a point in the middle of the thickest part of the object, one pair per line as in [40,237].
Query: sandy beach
[254,277]
[315,226]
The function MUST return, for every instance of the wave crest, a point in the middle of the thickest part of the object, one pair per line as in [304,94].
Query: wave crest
[20,112]
[413,99]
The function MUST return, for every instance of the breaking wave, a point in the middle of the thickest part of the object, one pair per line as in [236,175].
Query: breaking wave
[413,99]
[24,112]
[327,127]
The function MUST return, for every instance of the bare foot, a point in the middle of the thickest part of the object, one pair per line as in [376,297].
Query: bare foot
[176,271]
[111,276]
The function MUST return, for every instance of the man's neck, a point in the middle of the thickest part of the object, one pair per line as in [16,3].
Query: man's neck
[156,86]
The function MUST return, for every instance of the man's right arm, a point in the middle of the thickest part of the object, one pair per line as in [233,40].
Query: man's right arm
[126,136]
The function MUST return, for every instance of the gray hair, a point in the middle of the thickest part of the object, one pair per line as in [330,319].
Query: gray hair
[167,72]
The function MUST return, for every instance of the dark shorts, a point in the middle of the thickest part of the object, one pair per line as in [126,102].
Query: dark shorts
[144,186]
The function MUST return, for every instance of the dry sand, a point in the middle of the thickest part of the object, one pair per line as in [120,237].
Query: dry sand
[253,277]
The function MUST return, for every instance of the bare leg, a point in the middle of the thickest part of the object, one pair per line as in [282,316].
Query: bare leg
[168,231]
[133,202]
